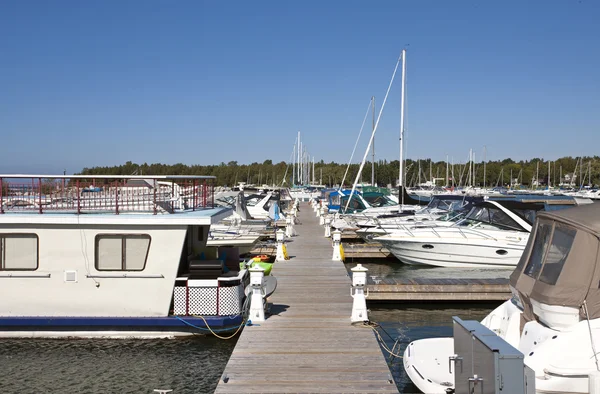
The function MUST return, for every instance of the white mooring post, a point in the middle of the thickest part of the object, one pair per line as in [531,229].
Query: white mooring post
[328,227]
[257,286]
[337,245]
[279,236]
[321,216]
[359,305]
[289,227]
[316,208]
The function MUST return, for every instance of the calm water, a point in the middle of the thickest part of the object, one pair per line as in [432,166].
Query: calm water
[191,365]
[194,365]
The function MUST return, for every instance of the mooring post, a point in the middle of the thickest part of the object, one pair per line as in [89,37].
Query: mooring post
[337,246]
[289,226]
[328,227]
[257,307]
[281,252]
[321,216]
[359,305]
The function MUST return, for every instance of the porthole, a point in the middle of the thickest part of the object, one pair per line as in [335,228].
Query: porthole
[501,252]
[427,246]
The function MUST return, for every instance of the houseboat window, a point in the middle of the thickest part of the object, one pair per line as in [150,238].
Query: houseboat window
[116,252]
[540,244]
[18,252]
[562,240]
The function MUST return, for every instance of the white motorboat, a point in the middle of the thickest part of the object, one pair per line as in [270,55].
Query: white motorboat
[553,317]
[491,235]
[442,210]
[125,256]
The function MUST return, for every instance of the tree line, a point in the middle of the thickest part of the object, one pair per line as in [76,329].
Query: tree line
[576,171]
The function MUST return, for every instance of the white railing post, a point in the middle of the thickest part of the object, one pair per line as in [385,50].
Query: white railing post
[359,304]
[337,246]
[257,286]
[328,227]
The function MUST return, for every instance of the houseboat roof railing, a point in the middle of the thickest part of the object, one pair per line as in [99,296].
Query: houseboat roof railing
[27,193]
[157,177]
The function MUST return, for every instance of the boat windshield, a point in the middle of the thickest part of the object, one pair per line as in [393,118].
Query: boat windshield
[550,251]
[356,205]
[453,216]
[446,205]
[379,201]
[491,218]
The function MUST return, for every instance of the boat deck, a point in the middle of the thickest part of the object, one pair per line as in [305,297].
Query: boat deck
[307,344]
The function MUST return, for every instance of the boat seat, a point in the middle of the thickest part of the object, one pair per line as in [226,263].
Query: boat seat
[205,269]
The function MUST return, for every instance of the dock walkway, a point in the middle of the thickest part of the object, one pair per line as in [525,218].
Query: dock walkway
[307,344]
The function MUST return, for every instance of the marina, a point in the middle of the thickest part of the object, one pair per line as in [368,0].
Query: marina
[291,197]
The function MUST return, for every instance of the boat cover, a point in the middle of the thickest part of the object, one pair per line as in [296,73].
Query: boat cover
[561,264]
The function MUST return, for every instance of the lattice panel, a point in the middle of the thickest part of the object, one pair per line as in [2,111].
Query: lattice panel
[179,300]
[230,300]
[202,301]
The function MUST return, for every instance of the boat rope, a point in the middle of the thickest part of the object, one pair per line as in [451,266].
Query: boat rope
[587,317]
[356,143]
[374,326]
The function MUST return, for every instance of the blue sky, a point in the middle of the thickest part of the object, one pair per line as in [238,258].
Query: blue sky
[99,83]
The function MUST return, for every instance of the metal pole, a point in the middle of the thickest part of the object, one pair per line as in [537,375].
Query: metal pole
[40,192]
[1,195]
[373,128]
[484,158]
[401,179]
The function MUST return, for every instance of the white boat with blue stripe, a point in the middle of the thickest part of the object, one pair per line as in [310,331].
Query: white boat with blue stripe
[114,256]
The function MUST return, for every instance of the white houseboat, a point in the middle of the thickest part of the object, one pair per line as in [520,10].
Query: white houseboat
[113,256]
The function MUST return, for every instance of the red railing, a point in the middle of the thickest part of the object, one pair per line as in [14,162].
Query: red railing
[123,195]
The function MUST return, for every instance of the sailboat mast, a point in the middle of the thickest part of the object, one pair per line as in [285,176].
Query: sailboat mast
[373,128]
[484,159]
[446,170]
[294,164]
[299,176]
[401,179]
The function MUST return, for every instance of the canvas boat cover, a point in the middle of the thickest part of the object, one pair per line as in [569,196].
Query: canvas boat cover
[561,264]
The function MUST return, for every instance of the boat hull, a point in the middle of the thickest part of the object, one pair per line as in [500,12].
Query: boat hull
[115,327]
[490,254]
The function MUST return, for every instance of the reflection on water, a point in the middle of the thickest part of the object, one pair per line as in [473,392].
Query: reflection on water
[425,321]
[191,365]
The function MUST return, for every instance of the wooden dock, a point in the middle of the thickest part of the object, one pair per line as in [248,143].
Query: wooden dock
[352,250]
[402,289]
[307,344]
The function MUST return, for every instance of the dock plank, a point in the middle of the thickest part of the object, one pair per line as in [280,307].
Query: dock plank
[307,344]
